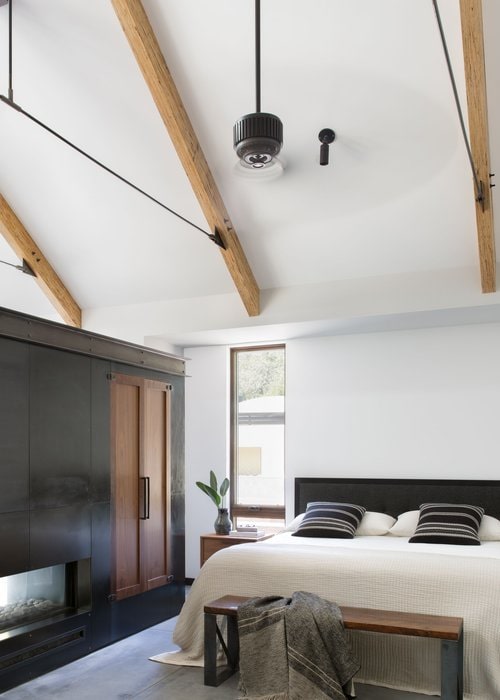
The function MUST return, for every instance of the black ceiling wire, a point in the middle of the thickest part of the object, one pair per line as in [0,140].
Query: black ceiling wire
[24,267]
[4,262]
[478,184]
[215,237]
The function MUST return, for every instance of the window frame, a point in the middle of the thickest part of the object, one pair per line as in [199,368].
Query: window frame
[238,510]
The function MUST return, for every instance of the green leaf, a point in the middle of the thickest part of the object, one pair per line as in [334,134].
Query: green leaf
[224,487]
[210,492]
[213,481]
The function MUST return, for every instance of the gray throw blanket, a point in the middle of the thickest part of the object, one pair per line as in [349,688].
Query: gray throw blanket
[294,648]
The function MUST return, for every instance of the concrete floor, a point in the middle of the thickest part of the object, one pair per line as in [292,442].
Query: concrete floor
[123,671]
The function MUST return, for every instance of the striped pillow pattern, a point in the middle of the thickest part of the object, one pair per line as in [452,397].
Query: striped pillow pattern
[448,523]
[325,519]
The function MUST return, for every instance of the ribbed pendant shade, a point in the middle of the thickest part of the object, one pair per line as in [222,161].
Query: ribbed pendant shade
[258,138]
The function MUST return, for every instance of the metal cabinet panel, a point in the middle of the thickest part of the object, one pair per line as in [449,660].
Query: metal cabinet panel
[14,543]
[100,486]
[14,426]
[60,409]
[59,535]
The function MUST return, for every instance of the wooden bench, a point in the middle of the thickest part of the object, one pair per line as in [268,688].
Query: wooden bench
[447,629]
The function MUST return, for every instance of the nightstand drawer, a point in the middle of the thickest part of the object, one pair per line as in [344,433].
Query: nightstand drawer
[209,544]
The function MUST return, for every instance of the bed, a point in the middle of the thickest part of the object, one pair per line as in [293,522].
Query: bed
[373,571]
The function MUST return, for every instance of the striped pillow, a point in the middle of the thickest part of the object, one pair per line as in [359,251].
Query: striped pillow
[330,520]
[448,523]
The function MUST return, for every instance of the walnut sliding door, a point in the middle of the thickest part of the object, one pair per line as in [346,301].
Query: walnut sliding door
[140,440]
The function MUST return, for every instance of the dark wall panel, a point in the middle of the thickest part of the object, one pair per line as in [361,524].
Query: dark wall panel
[55,500]
[177,537]
[130,615]
[178,433]
[178,480]
[60,409]
[100,486]
[14,543]
[59,535]
[101,574]
[49,647]
[14,425]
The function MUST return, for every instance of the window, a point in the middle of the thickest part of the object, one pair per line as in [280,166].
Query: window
[258,435]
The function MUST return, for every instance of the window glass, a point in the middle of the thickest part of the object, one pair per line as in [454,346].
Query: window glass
[258,431]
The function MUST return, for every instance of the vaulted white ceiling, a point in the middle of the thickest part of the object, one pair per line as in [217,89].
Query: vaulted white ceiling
[387,229]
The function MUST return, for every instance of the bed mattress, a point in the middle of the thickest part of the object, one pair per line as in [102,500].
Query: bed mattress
[379,572]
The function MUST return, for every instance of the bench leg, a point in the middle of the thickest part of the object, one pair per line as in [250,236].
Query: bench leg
[452,672]
[233,642]
[214,676]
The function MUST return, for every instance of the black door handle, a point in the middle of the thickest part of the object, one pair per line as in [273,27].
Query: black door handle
[146,493]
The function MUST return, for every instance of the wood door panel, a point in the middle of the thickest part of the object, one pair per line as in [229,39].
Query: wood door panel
[140,415]
[156,467]
[126,410]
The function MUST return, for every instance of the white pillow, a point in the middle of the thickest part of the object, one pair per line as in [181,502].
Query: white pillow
[489,529]
[375,524]
[406,524]
[371,524]
[291,527]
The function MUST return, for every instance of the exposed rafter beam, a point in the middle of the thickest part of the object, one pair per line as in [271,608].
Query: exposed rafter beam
[144,44]
[475,75]
[25,248]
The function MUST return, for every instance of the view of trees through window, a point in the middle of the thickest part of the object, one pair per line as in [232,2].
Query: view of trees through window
[261,373]
[258,431]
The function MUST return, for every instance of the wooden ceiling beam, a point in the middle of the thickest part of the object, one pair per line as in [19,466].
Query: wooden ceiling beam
[152,64]
[25,248]
[475,77]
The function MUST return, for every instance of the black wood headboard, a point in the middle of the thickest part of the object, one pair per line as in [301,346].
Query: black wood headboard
[395,496]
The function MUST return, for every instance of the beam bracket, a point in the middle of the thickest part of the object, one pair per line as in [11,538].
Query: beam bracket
[480,199]
[217,238]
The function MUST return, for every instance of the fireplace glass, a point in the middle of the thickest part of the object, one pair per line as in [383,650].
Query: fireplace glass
[36,595]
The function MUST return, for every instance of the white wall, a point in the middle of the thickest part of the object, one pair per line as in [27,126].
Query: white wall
[417,403]
[206,441]
[420,403]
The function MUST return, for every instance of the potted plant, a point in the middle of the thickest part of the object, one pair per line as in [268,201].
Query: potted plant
[217,493]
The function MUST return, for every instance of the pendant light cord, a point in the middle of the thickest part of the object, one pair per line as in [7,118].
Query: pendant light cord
[214,237]
[11,91]
[257,55]
[478,184]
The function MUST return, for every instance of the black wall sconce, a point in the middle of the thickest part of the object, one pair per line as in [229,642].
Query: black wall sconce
[326,137]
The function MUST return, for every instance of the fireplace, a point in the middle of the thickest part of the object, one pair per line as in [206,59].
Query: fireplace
[34,598]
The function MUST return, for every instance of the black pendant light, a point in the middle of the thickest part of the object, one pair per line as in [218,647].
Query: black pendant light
[258,137]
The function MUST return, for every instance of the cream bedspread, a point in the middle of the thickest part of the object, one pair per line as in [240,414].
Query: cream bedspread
[378,572]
